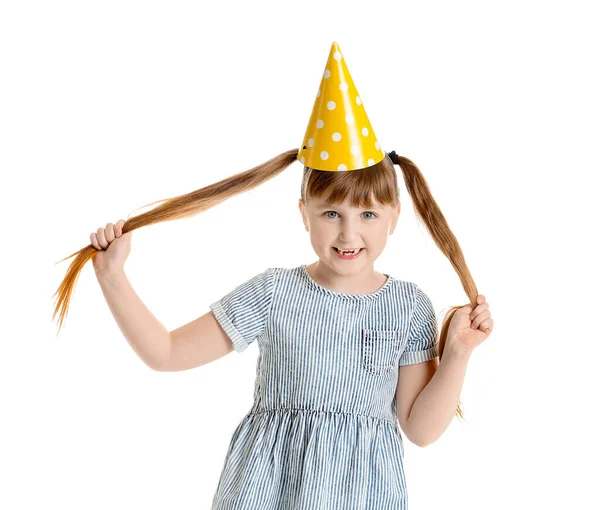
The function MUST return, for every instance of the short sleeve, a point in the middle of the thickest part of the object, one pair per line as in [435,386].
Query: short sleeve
[243,312]
[422,342]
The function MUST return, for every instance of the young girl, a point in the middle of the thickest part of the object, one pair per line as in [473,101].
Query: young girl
[346,354]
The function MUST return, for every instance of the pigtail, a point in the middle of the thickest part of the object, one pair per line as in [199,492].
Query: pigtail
[430,214]
[176,208]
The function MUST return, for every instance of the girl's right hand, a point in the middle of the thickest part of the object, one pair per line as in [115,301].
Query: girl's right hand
[114,247]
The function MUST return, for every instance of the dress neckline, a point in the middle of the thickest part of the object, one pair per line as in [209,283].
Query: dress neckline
[325,290]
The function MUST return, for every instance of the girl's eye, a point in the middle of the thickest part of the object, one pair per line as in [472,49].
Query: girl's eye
[366,212]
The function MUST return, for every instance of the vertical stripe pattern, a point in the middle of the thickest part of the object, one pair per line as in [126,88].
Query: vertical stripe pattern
[322,433]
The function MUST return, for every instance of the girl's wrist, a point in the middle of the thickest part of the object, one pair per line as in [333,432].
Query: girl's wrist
[107,273]
[456,348]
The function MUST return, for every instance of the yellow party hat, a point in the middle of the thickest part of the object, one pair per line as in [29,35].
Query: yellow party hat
[339,136]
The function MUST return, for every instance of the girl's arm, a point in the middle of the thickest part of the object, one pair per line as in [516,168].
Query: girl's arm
[435,406]
[150,340]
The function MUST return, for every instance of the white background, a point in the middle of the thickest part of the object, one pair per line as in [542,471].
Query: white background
[107,106]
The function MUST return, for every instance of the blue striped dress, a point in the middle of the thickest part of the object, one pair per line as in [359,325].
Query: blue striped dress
[322,433]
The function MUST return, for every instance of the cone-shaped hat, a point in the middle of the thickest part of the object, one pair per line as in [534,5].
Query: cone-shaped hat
[339,136]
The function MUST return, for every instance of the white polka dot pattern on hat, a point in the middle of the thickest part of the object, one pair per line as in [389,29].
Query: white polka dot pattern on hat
[339,136]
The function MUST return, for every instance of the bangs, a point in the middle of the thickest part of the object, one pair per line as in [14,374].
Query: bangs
[366,187]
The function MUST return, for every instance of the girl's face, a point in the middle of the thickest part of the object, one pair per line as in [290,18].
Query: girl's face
[346,227]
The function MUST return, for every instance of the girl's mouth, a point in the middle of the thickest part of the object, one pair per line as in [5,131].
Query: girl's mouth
[346,257]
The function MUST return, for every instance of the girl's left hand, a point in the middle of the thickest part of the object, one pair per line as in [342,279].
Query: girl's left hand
[468,328]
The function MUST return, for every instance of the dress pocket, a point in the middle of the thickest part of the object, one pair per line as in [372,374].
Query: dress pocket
[381,348]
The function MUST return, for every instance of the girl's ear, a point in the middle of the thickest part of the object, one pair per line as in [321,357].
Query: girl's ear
[303,213]
[395,217]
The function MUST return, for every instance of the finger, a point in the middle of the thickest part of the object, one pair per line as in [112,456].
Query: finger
[487,324]
[480,318]
[101,238]
[94,241]
[478,310]
[109,232]
[119,228]
[481,298]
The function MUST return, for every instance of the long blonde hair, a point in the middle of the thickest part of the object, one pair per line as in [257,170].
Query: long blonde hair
[378,181]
